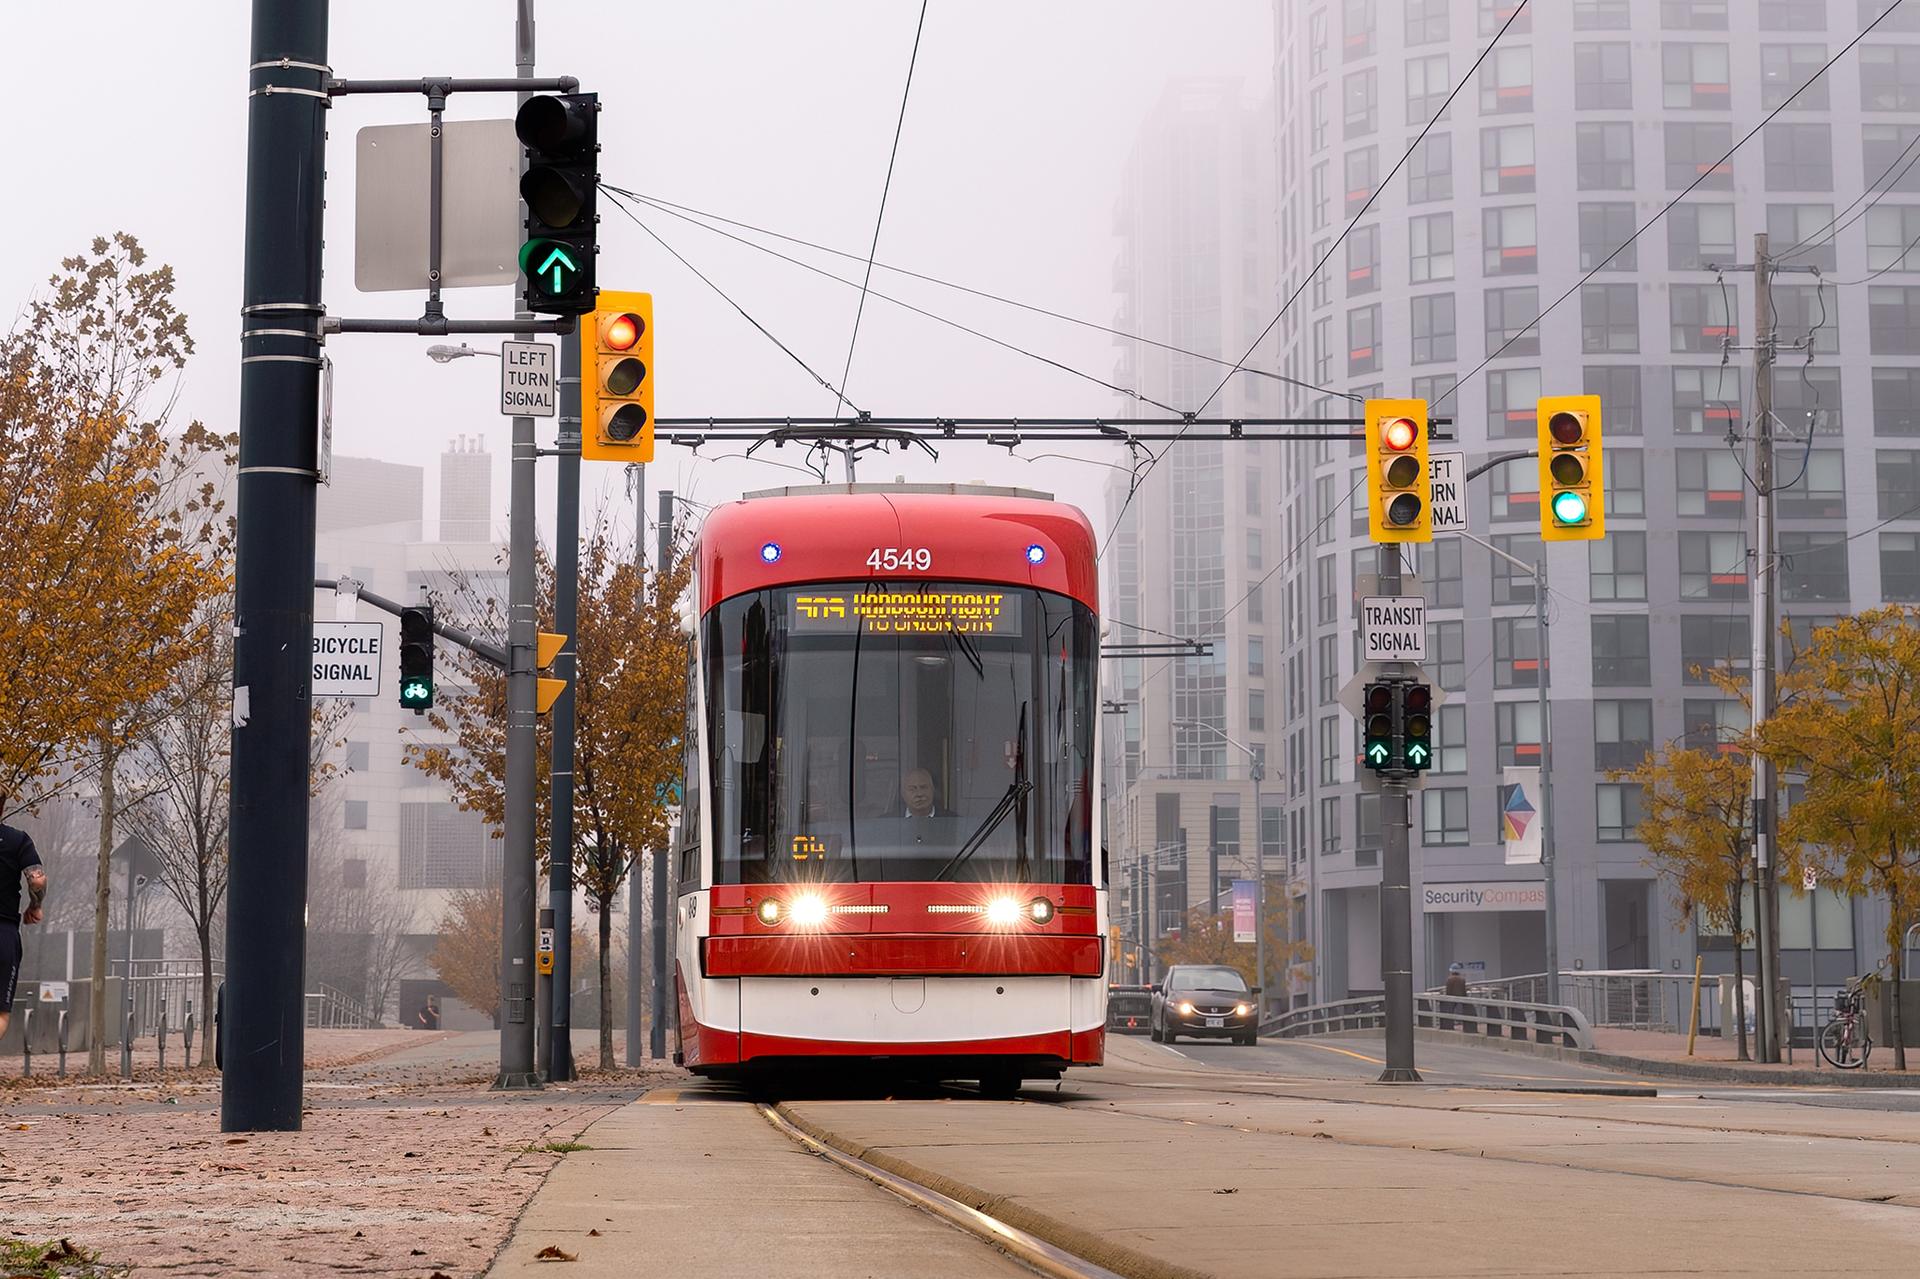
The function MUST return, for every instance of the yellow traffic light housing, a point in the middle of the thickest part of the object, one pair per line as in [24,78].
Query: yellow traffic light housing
[1399,485]
[1573,498]
[547,691]
[616,379]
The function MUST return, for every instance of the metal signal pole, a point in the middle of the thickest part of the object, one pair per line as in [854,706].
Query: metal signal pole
[1396,887]
[657,1034]
[566,620]
[264,1023]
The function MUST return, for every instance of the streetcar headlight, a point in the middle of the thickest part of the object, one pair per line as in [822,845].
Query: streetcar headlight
[1184,1008]
[1041,909]
[809,910]
[769,911]
[1241,1010]
[1003,911]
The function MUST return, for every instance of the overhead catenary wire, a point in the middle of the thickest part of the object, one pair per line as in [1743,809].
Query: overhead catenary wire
[1668,207]
[1328,253]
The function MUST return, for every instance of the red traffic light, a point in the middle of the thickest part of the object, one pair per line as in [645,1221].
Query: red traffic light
[1419,697]
[1399,434]
[621,331]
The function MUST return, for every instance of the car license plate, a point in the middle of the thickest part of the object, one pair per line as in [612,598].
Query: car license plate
[1214,1023]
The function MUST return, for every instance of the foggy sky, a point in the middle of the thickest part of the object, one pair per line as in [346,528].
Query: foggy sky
[779,114]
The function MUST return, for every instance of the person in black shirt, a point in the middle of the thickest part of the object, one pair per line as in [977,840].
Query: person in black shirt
[18,858]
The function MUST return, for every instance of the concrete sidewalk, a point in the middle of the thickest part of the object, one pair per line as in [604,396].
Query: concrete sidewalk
[687,1183]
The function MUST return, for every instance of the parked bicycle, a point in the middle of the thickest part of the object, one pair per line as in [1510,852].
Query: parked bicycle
[1846,1041]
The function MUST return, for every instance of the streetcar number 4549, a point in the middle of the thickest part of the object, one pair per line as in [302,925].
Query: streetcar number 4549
[890,558]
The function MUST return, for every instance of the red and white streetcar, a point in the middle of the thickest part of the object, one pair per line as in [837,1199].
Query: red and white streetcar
[890,846]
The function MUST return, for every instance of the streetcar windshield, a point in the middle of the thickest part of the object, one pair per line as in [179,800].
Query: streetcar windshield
[901,731]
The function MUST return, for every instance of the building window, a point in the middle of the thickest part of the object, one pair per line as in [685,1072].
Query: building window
[1516,733]
[1320,208]
[1609,319]
[1358,504]
[1254,562]
[1710,483]
[1603,156]
[1256,710]
[1363,260]
[1440,577]
[1622,731]
[1495,14]
[1512,585]
[1700,236]
[1430,169]
[1256,604]
[1506,80]
[1813,568]
[1433,330]
[1510,240]
[357,754]
[1896,401]
[1784,68]
[1326,577]
[1356,26]
[1626,482]
[353,814]
[1618,386]
[1506,160]
[1448,641]
[1514,488]
[1818,491]
[1330,824]
[1705,400]
[1511,328]
[1426,21]
[1329,751]
[1693,15]
[1793,15]
[1809,310]
[1621,652]
[1889,77]
[1256,655]
[1892,234]
[1617,812]
[1799,157]
[1443,816]
[1885,150]
[1713,724]
[1896,474]
[1900,566]
[1694,77]
[1694,150]
[1317,42]
[1715,641]
[1516,652]
[1366,813]
[1450,739]
[1426,87]
[1617,566]
[1512,397]
[1602,76]
[1713,564]
[1434,387]
[1702,316]
[1328,664]
[1363,339]
[1893,315]
[1897,20]
[1363,177]
[1360,103]
[1431,239]
[1604,229]
[1797,227]
[1602,15]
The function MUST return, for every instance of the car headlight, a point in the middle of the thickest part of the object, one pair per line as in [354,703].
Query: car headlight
[769,911]
[1241,1010]
[1003,911]
[809,910]
[1184,1008]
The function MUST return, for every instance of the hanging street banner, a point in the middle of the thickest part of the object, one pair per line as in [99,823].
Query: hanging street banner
[1243,925]
[1520,815]
[1449,474]
[1393,628]
[346,659]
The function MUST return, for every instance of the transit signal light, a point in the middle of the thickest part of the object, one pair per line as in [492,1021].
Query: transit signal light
[561,134]
[616,366]
[416,658]
[1416,726]
[1377,720]
[1572,481]
[1399,485]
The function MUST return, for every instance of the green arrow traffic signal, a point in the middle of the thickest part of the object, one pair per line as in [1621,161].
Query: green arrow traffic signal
[1416,755]
[1377,753]
[549,267]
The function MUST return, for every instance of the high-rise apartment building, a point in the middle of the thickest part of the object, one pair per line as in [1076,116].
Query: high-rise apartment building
[466,491]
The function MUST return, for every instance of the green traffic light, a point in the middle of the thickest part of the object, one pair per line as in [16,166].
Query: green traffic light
[1569,508]
[416,694]
[550,266]
[1377,754]
[1417,755]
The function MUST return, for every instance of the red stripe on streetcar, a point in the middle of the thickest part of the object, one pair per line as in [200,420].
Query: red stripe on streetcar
[855,955]
[1058,1043]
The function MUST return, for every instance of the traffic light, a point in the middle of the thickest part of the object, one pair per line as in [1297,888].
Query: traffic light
[616,370]
[416,657]
[1399,487]
[1416,726]
[561,133]
[547,691]
[1573,499]
[1377,720]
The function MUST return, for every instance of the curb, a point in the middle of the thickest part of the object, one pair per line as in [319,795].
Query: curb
[1081,1243]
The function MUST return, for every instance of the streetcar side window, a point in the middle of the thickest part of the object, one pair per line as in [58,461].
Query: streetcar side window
[690,829]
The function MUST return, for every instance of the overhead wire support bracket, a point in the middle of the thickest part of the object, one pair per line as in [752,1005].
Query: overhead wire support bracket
[692,432]
[442,85]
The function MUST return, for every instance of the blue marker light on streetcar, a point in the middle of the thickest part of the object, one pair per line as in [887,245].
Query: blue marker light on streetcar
[1036,554]
[770,553]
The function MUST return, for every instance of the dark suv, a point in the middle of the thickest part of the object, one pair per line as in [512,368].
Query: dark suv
[1204,1001]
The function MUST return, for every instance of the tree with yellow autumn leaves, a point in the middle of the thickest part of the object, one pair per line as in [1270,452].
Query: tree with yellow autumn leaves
[629,701]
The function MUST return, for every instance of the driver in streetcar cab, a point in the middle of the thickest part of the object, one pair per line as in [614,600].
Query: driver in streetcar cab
[925,821]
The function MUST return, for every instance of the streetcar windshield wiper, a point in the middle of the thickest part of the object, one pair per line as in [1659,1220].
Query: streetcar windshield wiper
[1016,791]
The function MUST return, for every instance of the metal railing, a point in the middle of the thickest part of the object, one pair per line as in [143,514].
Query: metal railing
[1649,1000]
[1466,1015]
[330,1009]
[156,985]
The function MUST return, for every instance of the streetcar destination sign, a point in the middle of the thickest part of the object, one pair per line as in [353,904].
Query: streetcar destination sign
[346,659]
[1393,628]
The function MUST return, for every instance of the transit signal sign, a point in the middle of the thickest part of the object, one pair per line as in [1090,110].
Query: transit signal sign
[1399,486]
